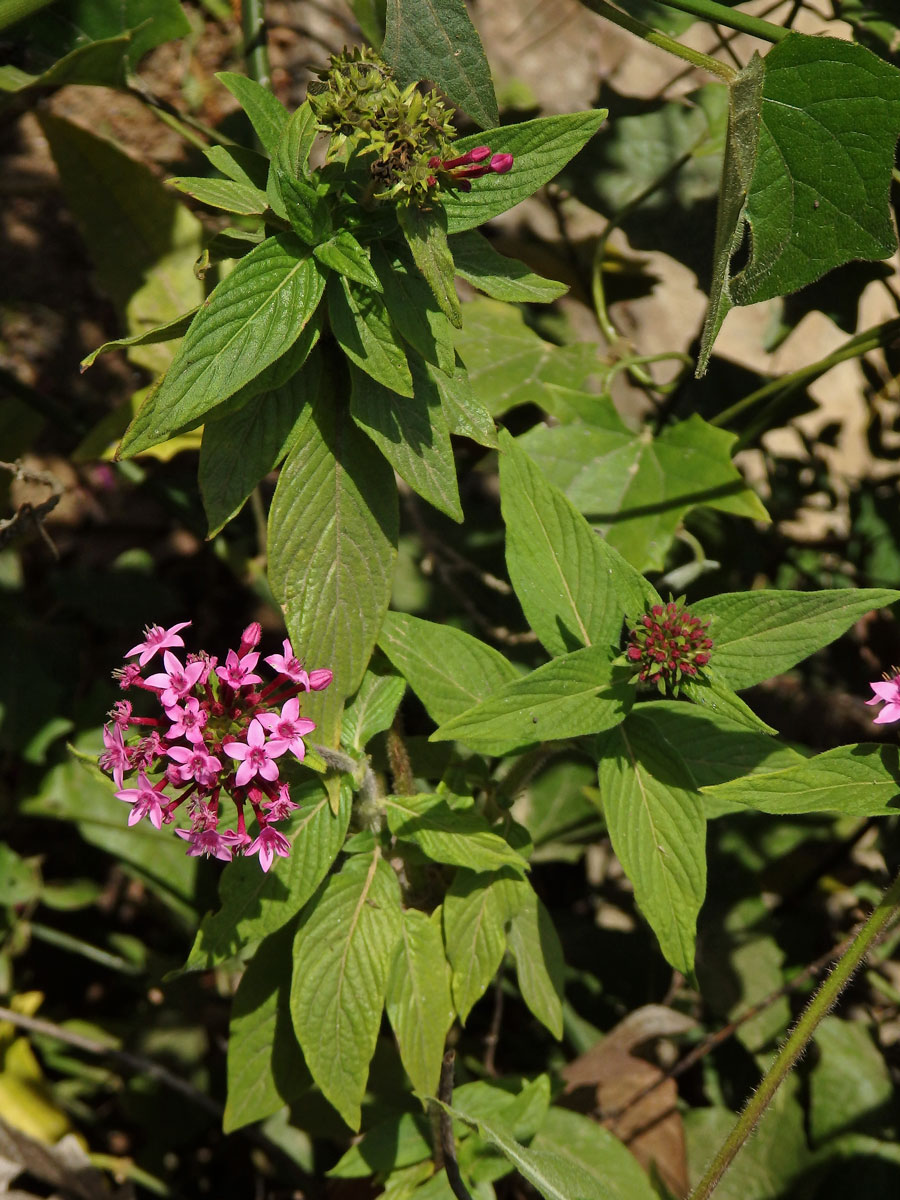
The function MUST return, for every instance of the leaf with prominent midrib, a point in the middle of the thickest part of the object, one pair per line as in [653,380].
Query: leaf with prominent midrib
[418,1002]
[343,952]
[476,260]
[367,335]
[536,948]
[460,838]
[266,114]
[476,910]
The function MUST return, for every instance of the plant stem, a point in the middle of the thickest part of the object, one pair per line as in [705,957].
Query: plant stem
[719,14]
[662,40]
[797,1040]
[256,51]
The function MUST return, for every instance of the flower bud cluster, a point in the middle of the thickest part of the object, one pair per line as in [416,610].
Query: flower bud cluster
[219,734]
[667,644]
[477,162]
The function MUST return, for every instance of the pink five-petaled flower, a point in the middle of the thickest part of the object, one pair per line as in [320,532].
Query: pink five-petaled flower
[187,721]
[287,664]
[238,672]
[269,843]
[208,842]
[157,638]
[888,694]
[194,763]
[286,731]
[255,757]
[282,806]
[176,681]
[146,801]
[115,757]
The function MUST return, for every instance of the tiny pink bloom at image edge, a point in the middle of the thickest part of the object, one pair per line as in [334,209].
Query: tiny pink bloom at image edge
[887,692]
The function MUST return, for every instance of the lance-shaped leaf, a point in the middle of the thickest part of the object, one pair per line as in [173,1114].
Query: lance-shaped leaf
[166,332]
[538,954]
[418,1002]
[458,837]
[267,115]
[373,707]
[476,260]
[477,908]
[426,236]
[332,545]
[343,952]
[540,149]
[658,830]
[222,193]
[760,634]
[448,669]
[572,695]
[574,589]
[305,207]
[251,319]
[858,781]
[344,254]
[240,164]
[466,415]
[367,335]
[412,307]
[411,432]
[437,41]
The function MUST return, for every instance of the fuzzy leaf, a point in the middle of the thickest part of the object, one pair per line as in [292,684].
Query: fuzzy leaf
[372,709]
[363,327]
[344,254]
[412,307]
[476,260]
[418,1002]
[426,236]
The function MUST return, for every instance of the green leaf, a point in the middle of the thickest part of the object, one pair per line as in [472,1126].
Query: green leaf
[426,236]
[332,545]
[222,193]
[365,332]
[278,373]
[395,1142]
[850,1086]
[418,1002]
[240,164]
[372,709]
[476,260]
[240,448]
[412,308]
[305,207]
[166,332]
[267,115]
[596,1150]
[655,820]
[466,416]
[344,254]
[255,904]
[435,40]
[251,319]
[719,700]
[540,149]
[291,156]
[449,670]
[343,952]
[538,954]
[461,838]
[554,1175]
[574,589]
[411,432]
[760,634]
[477,908]
[635,488]
[265,1068]
[859,781]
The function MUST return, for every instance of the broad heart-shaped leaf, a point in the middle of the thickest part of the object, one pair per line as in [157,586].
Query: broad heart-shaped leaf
[373,707]
[222,193]
[555,1176]
[435,40]
[418,1001]
[858,781]
[567,697]
[344,254]
[658,830]
[828,119]
[538,954]
[448,669]
[265,1068]
[251,319]
[413,308]
[411,432]
[267,115]
[241,447]
[255,904]
[476,260]
[426,236]
[367,335]
[332,545]
[540,149]
[760,634]
[636,488]
[343,952]
[574,589]
[477,908]
[458,837]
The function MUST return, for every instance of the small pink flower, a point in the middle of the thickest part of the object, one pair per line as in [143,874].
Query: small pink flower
[146,801]
[887,693]
[157,638]
[176,681]
[286,731]
[195,763]
[320,678]
[187,721]
[115,758]
[287,664]
[238,672]
[255,757]
[207,842]
[281,807]
[269,843]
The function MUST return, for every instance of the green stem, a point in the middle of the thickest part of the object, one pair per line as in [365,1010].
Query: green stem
[662,40]
[64,941]
[719,14]
[799,1038]
[256,50]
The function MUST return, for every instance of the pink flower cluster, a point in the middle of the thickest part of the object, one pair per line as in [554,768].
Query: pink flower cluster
[219,732]
[477,162]
[888,694]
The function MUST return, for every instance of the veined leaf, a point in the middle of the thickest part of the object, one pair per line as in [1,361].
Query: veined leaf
[166,332]
[426,236]
[363,327]
[461,838]
[477,908]
[412,307]
[466,415]
[476,260]
[344,254]
[267,115]
[343,952]
[240,164]
[538,955]
[418,1003]
[373,707]
[291,156]
[397,1141]
[596,1150]
[222,193]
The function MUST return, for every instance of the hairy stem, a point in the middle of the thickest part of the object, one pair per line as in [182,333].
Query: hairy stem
[799,1037]
[720,14]
[662,40]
